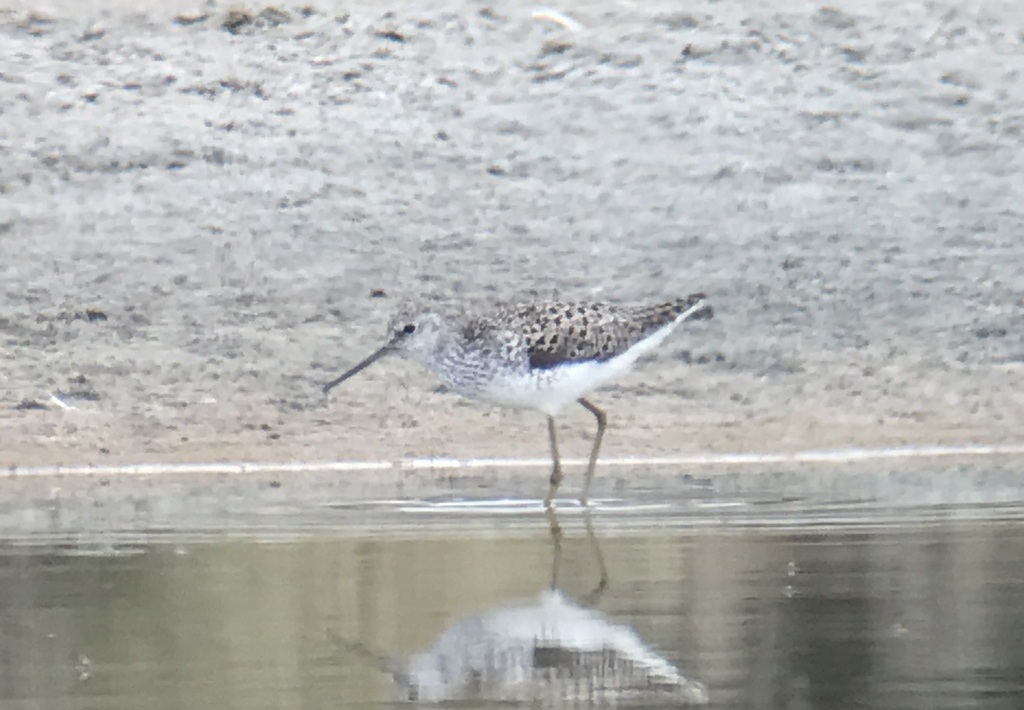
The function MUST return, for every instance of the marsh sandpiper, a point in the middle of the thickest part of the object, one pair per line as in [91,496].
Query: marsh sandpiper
[542,355]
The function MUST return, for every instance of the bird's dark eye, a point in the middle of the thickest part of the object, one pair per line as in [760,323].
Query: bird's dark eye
[409,329]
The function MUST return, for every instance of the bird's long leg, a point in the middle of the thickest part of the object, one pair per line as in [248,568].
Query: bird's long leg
[602,423]
[556,468]
[556,540]
[602,583]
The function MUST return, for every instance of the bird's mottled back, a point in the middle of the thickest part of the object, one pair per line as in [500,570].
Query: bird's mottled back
[555,333]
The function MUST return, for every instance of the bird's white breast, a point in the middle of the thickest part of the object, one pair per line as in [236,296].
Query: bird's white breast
[549,390]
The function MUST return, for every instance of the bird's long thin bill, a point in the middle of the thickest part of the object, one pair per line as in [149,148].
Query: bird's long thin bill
[358,368]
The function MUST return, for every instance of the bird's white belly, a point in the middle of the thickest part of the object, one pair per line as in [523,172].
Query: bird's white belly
[549,390]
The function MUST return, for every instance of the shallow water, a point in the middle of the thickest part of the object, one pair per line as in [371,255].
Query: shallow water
[871,615]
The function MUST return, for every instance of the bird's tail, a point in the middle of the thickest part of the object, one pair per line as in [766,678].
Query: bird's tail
[695,307]
[697,304]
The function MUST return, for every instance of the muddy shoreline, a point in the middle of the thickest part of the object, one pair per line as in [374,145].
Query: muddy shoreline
[200,223]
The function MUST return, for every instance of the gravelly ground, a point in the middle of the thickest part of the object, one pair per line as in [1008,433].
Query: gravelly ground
[193,217]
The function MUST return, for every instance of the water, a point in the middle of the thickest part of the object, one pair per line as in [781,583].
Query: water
[873,615]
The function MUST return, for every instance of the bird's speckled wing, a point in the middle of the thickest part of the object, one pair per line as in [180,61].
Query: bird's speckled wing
[555,333]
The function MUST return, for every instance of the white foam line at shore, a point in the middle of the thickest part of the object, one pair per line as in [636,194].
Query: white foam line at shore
[825,456]
[220,468]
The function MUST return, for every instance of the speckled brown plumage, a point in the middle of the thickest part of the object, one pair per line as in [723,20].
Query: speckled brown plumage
[556,333]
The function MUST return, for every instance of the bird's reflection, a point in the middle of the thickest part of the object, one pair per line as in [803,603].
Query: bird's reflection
[549,652]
